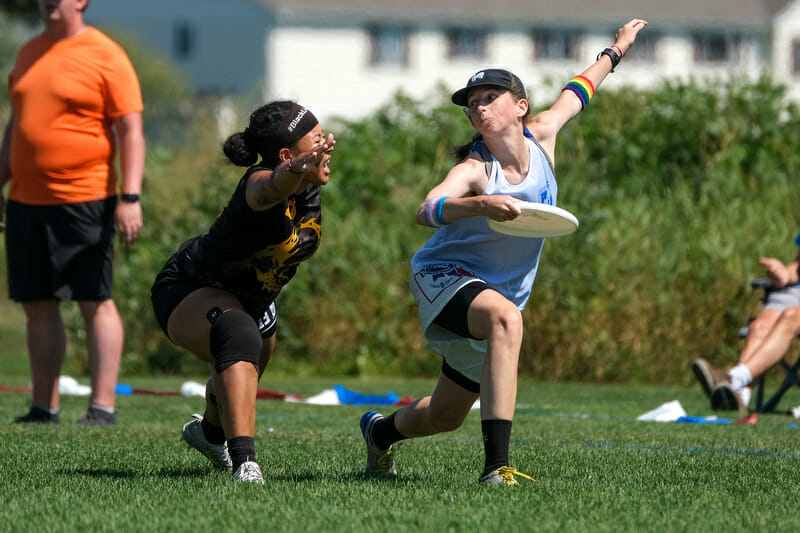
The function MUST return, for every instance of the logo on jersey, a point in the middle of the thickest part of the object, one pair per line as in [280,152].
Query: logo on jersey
[433,280]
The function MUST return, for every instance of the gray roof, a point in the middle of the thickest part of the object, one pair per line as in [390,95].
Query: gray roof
[698,13]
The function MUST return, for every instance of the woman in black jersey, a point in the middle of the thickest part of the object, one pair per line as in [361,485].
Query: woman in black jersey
[216,295]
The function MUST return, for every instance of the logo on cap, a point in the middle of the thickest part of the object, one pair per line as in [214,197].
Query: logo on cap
[476,77]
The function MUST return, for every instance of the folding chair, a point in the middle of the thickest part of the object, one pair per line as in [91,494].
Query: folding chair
[791,371]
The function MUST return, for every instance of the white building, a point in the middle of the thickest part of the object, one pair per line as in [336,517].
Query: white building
[347,57]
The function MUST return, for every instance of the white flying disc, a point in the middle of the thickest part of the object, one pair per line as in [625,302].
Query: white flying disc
[537,220]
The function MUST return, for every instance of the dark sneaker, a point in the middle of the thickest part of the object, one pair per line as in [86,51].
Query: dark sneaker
[97,417]
[380,462]
[709,377]
[724,398]
[37,415]
[502,476]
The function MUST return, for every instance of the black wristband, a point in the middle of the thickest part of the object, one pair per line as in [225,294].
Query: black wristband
[612,55]
[129,197]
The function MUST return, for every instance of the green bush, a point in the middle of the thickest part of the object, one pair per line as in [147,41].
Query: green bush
[679,191]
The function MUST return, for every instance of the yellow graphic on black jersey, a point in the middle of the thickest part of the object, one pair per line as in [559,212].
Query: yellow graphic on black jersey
[224,207]
[285,256]
[312,223]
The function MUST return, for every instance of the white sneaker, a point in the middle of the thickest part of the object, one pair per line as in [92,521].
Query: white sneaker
[216,453]
[249,472]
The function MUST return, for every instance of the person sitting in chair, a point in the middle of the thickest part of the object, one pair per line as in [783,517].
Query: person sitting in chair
[768,339]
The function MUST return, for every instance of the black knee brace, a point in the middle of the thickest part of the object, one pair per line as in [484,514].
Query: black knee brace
[234,337]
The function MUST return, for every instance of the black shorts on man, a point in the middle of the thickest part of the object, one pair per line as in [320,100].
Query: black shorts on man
[62,252]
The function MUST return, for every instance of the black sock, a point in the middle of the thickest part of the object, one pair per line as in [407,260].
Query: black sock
[384,434]
[496,437]
[241,449]
[213,434]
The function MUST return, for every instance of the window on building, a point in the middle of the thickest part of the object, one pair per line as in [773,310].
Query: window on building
[466,43]
[645,49]
[555,44]
[717,48]
[184,40]
[388,45]
[796,57]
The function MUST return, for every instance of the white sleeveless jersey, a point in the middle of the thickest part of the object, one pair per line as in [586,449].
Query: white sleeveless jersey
[507,264]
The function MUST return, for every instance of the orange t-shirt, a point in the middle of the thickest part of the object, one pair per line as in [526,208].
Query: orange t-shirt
[65,95]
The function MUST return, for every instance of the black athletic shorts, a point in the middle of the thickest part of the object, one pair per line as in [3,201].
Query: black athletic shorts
[171,287]
[62,252]
[453,317]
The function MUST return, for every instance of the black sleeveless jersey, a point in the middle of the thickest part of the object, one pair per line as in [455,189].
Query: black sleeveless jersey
[253,254]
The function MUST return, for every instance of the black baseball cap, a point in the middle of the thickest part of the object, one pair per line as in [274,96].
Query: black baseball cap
[491,76]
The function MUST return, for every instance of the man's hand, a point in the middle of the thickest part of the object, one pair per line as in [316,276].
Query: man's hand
[128,221]
[777,272]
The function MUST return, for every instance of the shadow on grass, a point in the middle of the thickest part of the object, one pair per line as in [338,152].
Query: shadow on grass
[345,477]
[111,473]
[195,473]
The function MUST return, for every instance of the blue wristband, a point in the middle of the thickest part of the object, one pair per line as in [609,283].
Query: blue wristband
[439,207]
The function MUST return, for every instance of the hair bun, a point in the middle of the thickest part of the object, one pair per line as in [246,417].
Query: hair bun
[238,151]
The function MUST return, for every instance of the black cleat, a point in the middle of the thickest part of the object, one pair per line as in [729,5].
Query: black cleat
[97,417]
[37,415]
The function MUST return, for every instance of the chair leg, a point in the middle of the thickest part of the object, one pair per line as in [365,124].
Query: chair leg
[760,395]
[790,380]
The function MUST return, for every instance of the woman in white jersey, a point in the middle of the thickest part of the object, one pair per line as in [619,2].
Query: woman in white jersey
[472,283]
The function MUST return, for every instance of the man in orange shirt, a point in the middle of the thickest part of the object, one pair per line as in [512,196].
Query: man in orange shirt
[72,89]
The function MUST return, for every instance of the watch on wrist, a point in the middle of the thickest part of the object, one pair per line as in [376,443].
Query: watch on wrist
[612,55]
[129,197]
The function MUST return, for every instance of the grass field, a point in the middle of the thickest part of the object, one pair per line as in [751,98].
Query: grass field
[596,468]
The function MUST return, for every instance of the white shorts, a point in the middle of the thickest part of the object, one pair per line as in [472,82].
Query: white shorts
[432,288]
[784,298]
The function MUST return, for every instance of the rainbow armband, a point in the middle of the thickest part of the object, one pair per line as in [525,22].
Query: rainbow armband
[583,89]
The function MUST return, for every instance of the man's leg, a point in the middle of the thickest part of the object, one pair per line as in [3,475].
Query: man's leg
[711,378]
[46,350]
[758,330]
[104,338]
[775,345]
[736,394]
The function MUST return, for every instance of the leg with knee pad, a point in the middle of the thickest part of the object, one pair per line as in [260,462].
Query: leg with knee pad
[234,337]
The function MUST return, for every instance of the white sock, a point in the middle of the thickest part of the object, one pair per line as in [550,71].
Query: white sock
[740,377]
[745,394]
[109,410]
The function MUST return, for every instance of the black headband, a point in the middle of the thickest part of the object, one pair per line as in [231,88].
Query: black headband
[294,127]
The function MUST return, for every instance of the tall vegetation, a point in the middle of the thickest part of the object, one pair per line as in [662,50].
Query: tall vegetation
[679,191]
